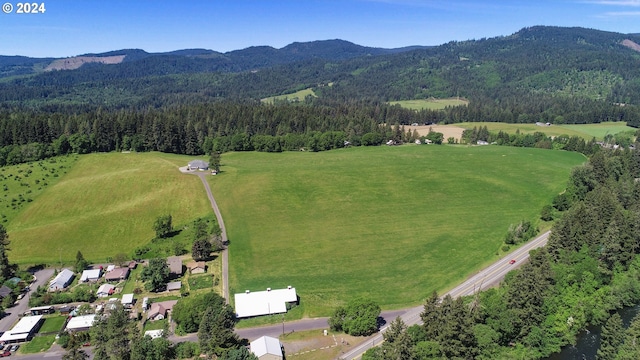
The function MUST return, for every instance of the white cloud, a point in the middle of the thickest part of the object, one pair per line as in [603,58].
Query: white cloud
[621,14]
[631,3]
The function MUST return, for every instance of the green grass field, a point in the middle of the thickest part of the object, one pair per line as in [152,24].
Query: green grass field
[106,204]
[296,96]
[429,104]
[389,223]
[585,131]
[52,324]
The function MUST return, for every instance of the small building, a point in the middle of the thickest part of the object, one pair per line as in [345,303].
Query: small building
[127,300]
[159,310]
[42,310]
[198,165]
[482,142]
[175,265]
[249,304]
[105,290]
[61,281]
[65,310]
[80,323]
[110,267]
[117,274]
[91,275]
[174,286]
[145,303]
[197,267]
[154,334]
[132,265]
[5,291]
[23,330]
[267,348]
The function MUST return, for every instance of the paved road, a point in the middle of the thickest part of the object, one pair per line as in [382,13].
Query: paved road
[488,277]
[11,317]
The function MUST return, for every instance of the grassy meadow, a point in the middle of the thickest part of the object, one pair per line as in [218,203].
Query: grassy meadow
[296,96]
[585,131]
[105,204]
[389,223]
[429,104]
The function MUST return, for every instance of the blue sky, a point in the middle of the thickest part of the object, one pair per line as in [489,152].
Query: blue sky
[74,27]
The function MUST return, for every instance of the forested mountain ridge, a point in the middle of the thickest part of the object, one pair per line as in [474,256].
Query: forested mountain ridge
[208,60]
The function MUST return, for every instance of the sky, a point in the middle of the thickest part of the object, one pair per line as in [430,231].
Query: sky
[74,27]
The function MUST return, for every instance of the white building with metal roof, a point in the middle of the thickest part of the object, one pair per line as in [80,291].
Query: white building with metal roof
[24,329]
[81,323]
[271,301]
[267,348]
[62,280]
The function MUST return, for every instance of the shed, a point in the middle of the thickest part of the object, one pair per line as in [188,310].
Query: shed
[42,310]
[5,291]
[267,348]
[62,280]
[174,285]
[175,265]
[127,300]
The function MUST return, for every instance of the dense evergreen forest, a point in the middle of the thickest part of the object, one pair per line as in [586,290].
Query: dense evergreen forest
[590,267]
[186,102]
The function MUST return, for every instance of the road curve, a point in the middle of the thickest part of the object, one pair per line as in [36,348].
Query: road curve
[490,276]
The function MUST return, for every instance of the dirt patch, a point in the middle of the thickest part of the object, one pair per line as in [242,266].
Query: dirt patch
[447,130]
[75,62]
[631,45]
[317,347]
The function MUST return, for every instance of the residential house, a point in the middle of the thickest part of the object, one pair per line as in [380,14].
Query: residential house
[267,348]
[105,290]
[61,281]
[197,267]
[198,165]
[117,274]
[91,275]
[159,310]
[127,300]
[80,323]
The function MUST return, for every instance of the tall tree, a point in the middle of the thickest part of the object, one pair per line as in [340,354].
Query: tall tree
[215,331]
[155,274]
[81,263]
[111,335]
[74,352]
[163,226]
[611,338]
[6,269]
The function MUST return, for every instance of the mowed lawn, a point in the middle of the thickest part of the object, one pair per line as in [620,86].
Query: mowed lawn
[106,204]
[585,131]
[389,223]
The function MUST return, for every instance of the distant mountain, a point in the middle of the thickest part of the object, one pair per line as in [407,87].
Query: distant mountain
[545,65]
[251,58]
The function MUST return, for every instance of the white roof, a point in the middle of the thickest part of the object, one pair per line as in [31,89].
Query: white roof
[153,333]
[62,279]
[110,268]
[22,329]
[127,299]
[90,274]
[266,345]
[264,302]
[81,322]
[105,288]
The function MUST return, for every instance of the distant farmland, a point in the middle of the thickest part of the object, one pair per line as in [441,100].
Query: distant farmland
[105,204]
[389,223]
[296,96]
[586,131]
[430,104]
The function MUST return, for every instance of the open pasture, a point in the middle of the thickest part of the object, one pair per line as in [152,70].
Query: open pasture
[430,104]
[389,223]
[296,96]
[585,131]
[105,204]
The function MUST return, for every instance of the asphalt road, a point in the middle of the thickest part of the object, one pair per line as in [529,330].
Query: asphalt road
[490,276]
[11,316]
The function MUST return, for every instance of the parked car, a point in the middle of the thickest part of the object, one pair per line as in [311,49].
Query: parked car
[5,353]
[14,348]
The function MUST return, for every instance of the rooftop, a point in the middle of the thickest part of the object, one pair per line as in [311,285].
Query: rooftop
[255,303]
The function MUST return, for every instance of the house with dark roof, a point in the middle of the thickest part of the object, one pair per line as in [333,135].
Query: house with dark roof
[158,311]
[197,267]
[5,291]
[117,274]
[198,165]
[62,280]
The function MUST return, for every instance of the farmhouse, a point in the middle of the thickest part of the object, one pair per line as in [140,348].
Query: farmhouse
[198,165]
[117,274]
[158,311]
[197,267]
[267,348]
[258,303]
[62,280]
[23,331]
[80,323]
[91,275]
[175,265]
[105,290]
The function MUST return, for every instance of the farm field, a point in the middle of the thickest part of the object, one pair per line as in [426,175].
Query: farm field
[105,204]
[296,96]
[389,223]
[429,104]
[586,131]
